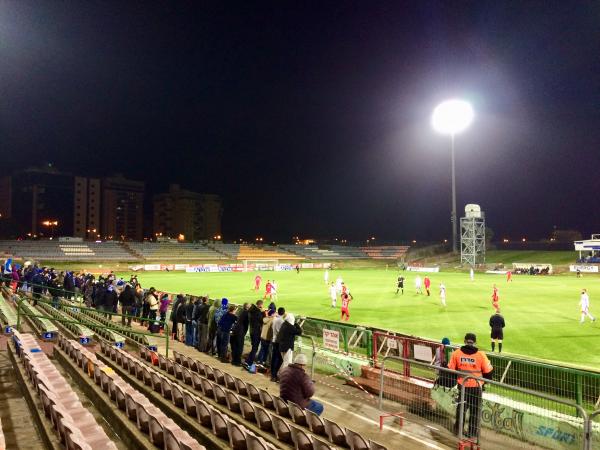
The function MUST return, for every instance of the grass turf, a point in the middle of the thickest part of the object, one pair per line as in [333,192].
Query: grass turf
[541,313]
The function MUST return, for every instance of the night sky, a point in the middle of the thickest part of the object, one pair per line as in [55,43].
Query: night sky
[313,119]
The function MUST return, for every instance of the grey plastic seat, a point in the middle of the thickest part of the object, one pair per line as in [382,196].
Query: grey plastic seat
[247,409]
[356,441]
[302,440]
[282,429]
[297,413]
[237,436]
[315,423]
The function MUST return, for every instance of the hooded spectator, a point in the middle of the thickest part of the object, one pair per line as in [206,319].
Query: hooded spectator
[238,334]
[173,317]
[255,317]
[127,300]
[287,335]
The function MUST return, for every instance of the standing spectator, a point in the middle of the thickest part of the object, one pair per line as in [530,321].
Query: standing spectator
[152,310]
[296,386]
[127,300]
[139,300]
[287,335]
[219,313]
[39,282]
[110,300]
[266,336]
[173,317]
[201,316]
[497,325]
[145,307]
[180,316]
[238,334]
[162,309]
[469,359]
[255,317]
[69,285]
[212,327]
[226,321]
[275,353]
[189,323]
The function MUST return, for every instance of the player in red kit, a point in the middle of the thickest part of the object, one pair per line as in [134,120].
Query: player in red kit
[257,280]
[495,299]
[346,298]
[268,290]
[427,283]
[508,276]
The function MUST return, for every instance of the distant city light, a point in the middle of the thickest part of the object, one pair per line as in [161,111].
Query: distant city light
[445,241]
[524,240]
[414,242]
[505,241]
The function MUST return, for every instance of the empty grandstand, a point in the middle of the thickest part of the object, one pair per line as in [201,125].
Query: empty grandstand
[162,251]
[386,251]
[66,251]
[250,252]
[326,252]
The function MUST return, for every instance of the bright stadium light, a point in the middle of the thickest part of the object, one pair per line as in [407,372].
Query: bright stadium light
[452,117]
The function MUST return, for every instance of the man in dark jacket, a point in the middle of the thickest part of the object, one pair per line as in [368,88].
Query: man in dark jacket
[173,317]
[286,337]
[497,326]
[127,300]
[238,334]
[189,322]
[296,386]
[223,330]
[201,319]
[180,318]
[255,322]
[110,300]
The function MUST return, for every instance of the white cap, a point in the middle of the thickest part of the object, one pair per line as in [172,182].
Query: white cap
[300,359]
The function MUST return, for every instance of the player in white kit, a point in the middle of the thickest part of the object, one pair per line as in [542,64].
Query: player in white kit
[338,284]
[326,276]
[333,294]
[472,274]
[584,302]
[418,284]
[443,294]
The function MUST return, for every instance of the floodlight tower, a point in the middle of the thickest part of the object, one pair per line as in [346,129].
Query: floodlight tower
[452,117]
[472,236]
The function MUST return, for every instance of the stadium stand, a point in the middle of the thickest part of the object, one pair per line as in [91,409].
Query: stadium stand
[287,422]
[250,252]
[74,424]
[66,251]
[326,253]
[162,431]
[385,251]
[162,251]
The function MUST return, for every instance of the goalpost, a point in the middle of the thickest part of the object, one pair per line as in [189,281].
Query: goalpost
[260,264]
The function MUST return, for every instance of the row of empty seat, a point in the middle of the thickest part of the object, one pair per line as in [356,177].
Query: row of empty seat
[161,251]
[221,425]
[287,421]
[245,252]
[162,431]
[75,425]
[386,251]
[55,250]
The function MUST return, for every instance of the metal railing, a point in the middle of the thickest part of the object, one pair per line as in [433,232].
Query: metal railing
[21,312]
[499,415]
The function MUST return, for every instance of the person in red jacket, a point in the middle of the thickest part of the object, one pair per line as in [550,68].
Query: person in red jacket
[296,386]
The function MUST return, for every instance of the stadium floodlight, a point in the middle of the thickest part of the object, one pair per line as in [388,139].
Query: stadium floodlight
[452,117]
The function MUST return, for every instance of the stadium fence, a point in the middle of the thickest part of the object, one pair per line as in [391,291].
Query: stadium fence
[507,416]
[578,385]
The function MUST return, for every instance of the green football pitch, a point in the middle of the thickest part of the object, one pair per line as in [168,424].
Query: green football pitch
[542,313]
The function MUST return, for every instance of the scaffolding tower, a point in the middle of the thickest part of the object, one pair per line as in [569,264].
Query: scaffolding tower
[472,236]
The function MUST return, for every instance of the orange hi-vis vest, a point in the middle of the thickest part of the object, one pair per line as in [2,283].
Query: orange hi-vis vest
[476,365]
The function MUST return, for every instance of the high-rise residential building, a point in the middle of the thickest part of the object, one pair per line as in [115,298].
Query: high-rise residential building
[86,210]
[122,208]
[187,215]
[38,201]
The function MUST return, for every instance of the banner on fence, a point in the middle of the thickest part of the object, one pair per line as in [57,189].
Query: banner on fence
[583,268]
[331,339]
[151,267]
[537,425]
[422,269]
[497,272]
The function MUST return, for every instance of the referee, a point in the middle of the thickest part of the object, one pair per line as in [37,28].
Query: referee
[497,325]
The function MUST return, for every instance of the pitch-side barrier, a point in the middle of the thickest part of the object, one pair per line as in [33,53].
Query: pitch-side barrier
[488,415]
